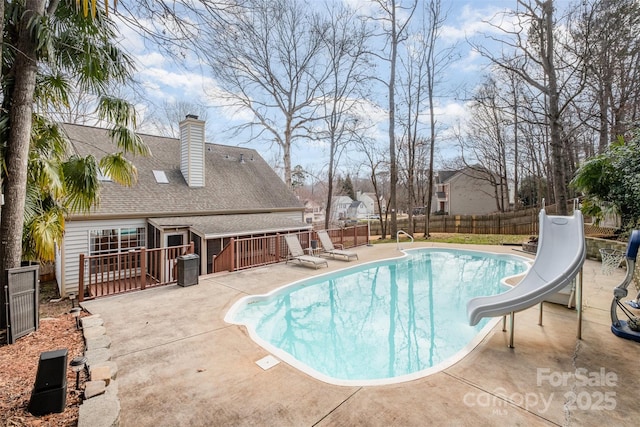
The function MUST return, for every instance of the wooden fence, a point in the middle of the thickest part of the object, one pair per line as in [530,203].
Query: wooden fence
[524,222]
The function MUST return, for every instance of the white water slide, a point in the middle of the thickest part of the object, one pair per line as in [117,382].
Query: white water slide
[561,253]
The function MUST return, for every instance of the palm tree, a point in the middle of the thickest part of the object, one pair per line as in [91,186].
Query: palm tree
[610,182]
[49,49]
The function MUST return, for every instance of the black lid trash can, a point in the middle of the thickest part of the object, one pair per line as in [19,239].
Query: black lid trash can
[188,269]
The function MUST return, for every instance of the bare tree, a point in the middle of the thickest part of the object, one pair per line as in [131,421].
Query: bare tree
[378,171]
[608,30]
[485,146]
[182,27]
[269,61]
[346,50]
[438,59]
[538,59]
[394,25]
[165,119]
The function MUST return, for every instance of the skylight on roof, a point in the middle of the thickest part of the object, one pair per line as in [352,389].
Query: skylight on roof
[102,177]
[161,177]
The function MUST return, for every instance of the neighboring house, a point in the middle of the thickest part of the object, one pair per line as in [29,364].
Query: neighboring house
[187,190]
[463,192]
[313,212]
[369,200]
[357,210]
[339,207]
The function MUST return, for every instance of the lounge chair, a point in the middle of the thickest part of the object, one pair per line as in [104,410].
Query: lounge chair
[297,253]
[329,248]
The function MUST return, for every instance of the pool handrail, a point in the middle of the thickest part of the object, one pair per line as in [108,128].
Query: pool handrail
[398,237]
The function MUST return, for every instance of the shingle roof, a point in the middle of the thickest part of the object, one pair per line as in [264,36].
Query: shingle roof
[231,186]
[217,226]
[444,176]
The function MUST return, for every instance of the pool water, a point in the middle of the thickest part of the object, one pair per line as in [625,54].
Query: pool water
[382,322]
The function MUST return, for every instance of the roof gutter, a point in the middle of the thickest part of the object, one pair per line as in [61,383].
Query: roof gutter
[92,217]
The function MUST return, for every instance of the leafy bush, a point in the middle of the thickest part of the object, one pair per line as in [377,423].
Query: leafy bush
[612,180]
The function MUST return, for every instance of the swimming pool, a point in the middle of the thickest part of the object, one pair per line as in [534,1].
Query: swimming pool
[379,323]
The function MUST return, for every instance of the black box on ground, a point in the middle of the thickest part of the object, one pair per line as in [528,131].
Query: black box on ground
[49,392]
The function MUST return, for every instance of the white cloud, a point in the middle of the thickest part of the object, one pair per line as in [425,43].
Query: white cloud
[151,59]
[471,21]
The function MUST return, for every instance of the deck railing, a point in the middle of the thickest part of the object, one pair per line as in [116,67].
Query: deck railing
[110,274]
[240,254]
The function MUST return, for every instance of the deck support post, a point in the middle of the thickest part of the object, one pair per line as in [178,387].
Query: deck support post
[81,279]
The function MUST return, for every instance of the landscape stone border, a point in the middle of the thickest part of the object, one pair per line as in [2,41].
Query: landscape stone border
[101,406]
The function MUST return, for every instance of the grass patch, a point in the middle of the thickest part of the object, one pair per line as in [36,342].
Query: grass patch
[472,239]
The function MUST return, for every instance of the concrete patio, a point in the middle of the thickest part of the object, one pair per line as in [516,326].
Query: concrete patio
[180,364]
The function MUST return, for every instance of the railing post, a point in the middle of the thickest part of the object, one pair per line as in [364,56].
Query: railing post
[278,246]
[233,254]
[355,236]
[143,267]
[81,279]
[191,248]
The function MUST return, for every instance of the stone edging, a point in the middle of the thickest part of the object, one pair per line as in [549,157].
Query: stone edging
[101,406]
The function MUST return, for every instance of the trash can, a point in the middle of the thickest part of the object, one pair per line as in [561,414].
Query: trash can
[188,269]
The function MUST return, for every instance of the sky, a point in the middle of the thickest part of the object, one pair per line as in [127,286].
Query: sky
[163,81]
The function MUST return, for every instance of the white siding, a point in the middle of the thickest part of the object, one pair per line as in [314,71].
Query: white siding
[76,242]
[295,216]
[192,151]
[471,196]
[369,203]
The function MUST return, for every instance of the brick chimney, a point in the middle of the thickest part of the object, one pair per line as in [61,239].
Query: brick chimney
[192,150]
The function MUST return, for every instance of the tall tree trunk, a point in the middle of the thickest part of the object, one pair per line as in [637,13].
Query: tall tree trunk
[603,132]
[17,152]
[327,216]
[286,154]
[555,123]
[1,48]
[393,167]
[432,144]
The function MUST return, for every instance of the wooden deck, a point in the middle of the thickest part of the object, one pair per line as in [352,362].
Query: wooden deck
[111,274]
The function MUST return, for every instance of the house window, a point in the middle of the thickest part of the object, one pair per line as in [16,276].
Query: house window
[115,240]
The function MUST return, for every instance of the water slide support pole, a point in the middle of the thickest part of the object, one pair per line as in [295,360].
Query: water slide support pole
[540,315]
[579,304]
[512,316]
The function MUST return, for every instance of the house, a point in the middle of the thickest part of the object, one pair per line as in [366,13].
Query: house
[313,212]
[357,210]
[463,192]
[188,190]
[339,207]
[369,200]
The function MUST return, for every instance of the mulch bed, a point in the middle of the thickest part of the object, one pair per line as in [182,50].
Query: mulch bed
[19,364]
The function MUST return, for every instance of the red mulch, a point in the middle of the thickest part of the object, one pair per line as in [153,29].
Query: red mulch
[18,367]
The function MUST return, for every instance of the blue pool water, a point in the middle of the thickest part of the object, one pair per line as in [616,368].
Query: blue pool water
[381,322]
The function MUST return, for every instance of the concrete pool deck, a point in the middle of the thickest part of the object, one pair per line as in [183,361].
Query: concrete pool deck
[180,364]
